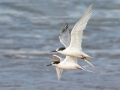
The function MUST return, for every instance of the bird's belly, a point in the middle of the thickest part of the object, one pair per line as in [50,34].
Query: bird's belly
[74,54]
[67,67]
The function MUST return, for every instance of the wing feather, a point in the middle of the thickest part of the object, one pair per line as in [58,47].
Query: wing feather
[65,36]
[56,58]
[58,70]
[59,73]
[77,31]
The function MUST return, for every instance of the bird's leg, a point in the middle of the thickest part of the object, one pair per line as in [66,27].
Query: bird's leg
[79,68]
[82,57]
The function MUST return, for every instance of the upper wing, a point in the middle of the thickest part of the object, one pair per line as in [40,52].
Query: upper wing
[65,36]
[77,31]
[58,71]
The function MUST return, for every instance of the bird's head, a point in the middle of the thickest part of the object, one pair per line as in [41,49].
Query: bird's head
[59,49]
[54,63]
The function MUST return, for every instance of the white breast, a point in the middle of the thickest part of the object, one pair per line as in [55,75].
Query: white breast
[68,63]
[72,52]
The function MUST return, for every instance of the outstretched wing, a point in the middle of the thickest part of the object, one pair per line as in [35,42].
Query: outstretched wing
[58,70]
[77,31]
[65,36]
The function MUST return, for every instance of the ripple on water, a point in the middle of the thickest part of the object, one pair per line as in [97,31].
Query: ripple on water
[29,31]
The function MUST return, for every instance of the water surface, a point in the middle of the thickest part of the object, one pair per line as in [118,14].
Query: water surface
[29,29]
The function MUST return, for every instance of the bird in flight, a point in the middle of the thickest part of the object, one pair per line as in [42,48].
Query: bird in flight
[72,41]
[69,63]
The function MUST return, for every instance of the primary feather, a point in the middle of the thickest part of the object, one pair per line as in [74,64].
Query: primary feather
[65,36]
[77,31]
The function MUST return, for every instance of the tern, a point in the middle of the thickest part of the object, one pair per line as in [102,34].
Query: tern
[69,63]
[72,41]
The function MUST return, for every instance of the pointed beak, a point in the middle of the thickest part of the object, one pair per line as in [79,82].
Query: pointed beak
[49,64]
[54,51]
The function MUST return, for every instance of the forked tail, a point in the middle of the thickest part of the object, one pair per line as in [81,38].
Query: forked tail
[87,69]
[89,62]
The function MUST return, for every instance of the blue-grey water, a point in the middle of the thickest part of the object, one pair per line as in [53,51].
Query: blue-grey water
[29,29]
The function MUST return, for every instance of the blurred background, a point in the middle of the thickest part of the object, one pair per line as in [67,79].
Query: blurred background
[29,30]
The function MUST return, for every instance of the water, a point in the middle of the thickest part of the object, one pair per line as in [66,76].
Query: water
[29,29]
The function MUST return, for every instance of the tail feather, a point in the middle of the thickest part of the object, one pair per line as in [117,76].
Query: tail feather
[89,57]
[87,69]
[89,62]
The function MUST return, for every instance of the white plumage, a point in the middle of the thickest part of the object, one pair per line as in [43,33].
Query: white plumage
[73,49]
[69,63]
[73,41]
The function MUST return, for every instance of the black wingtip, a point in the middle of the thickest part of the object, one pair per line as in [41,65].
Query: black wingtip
[64,28]
[66,25]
